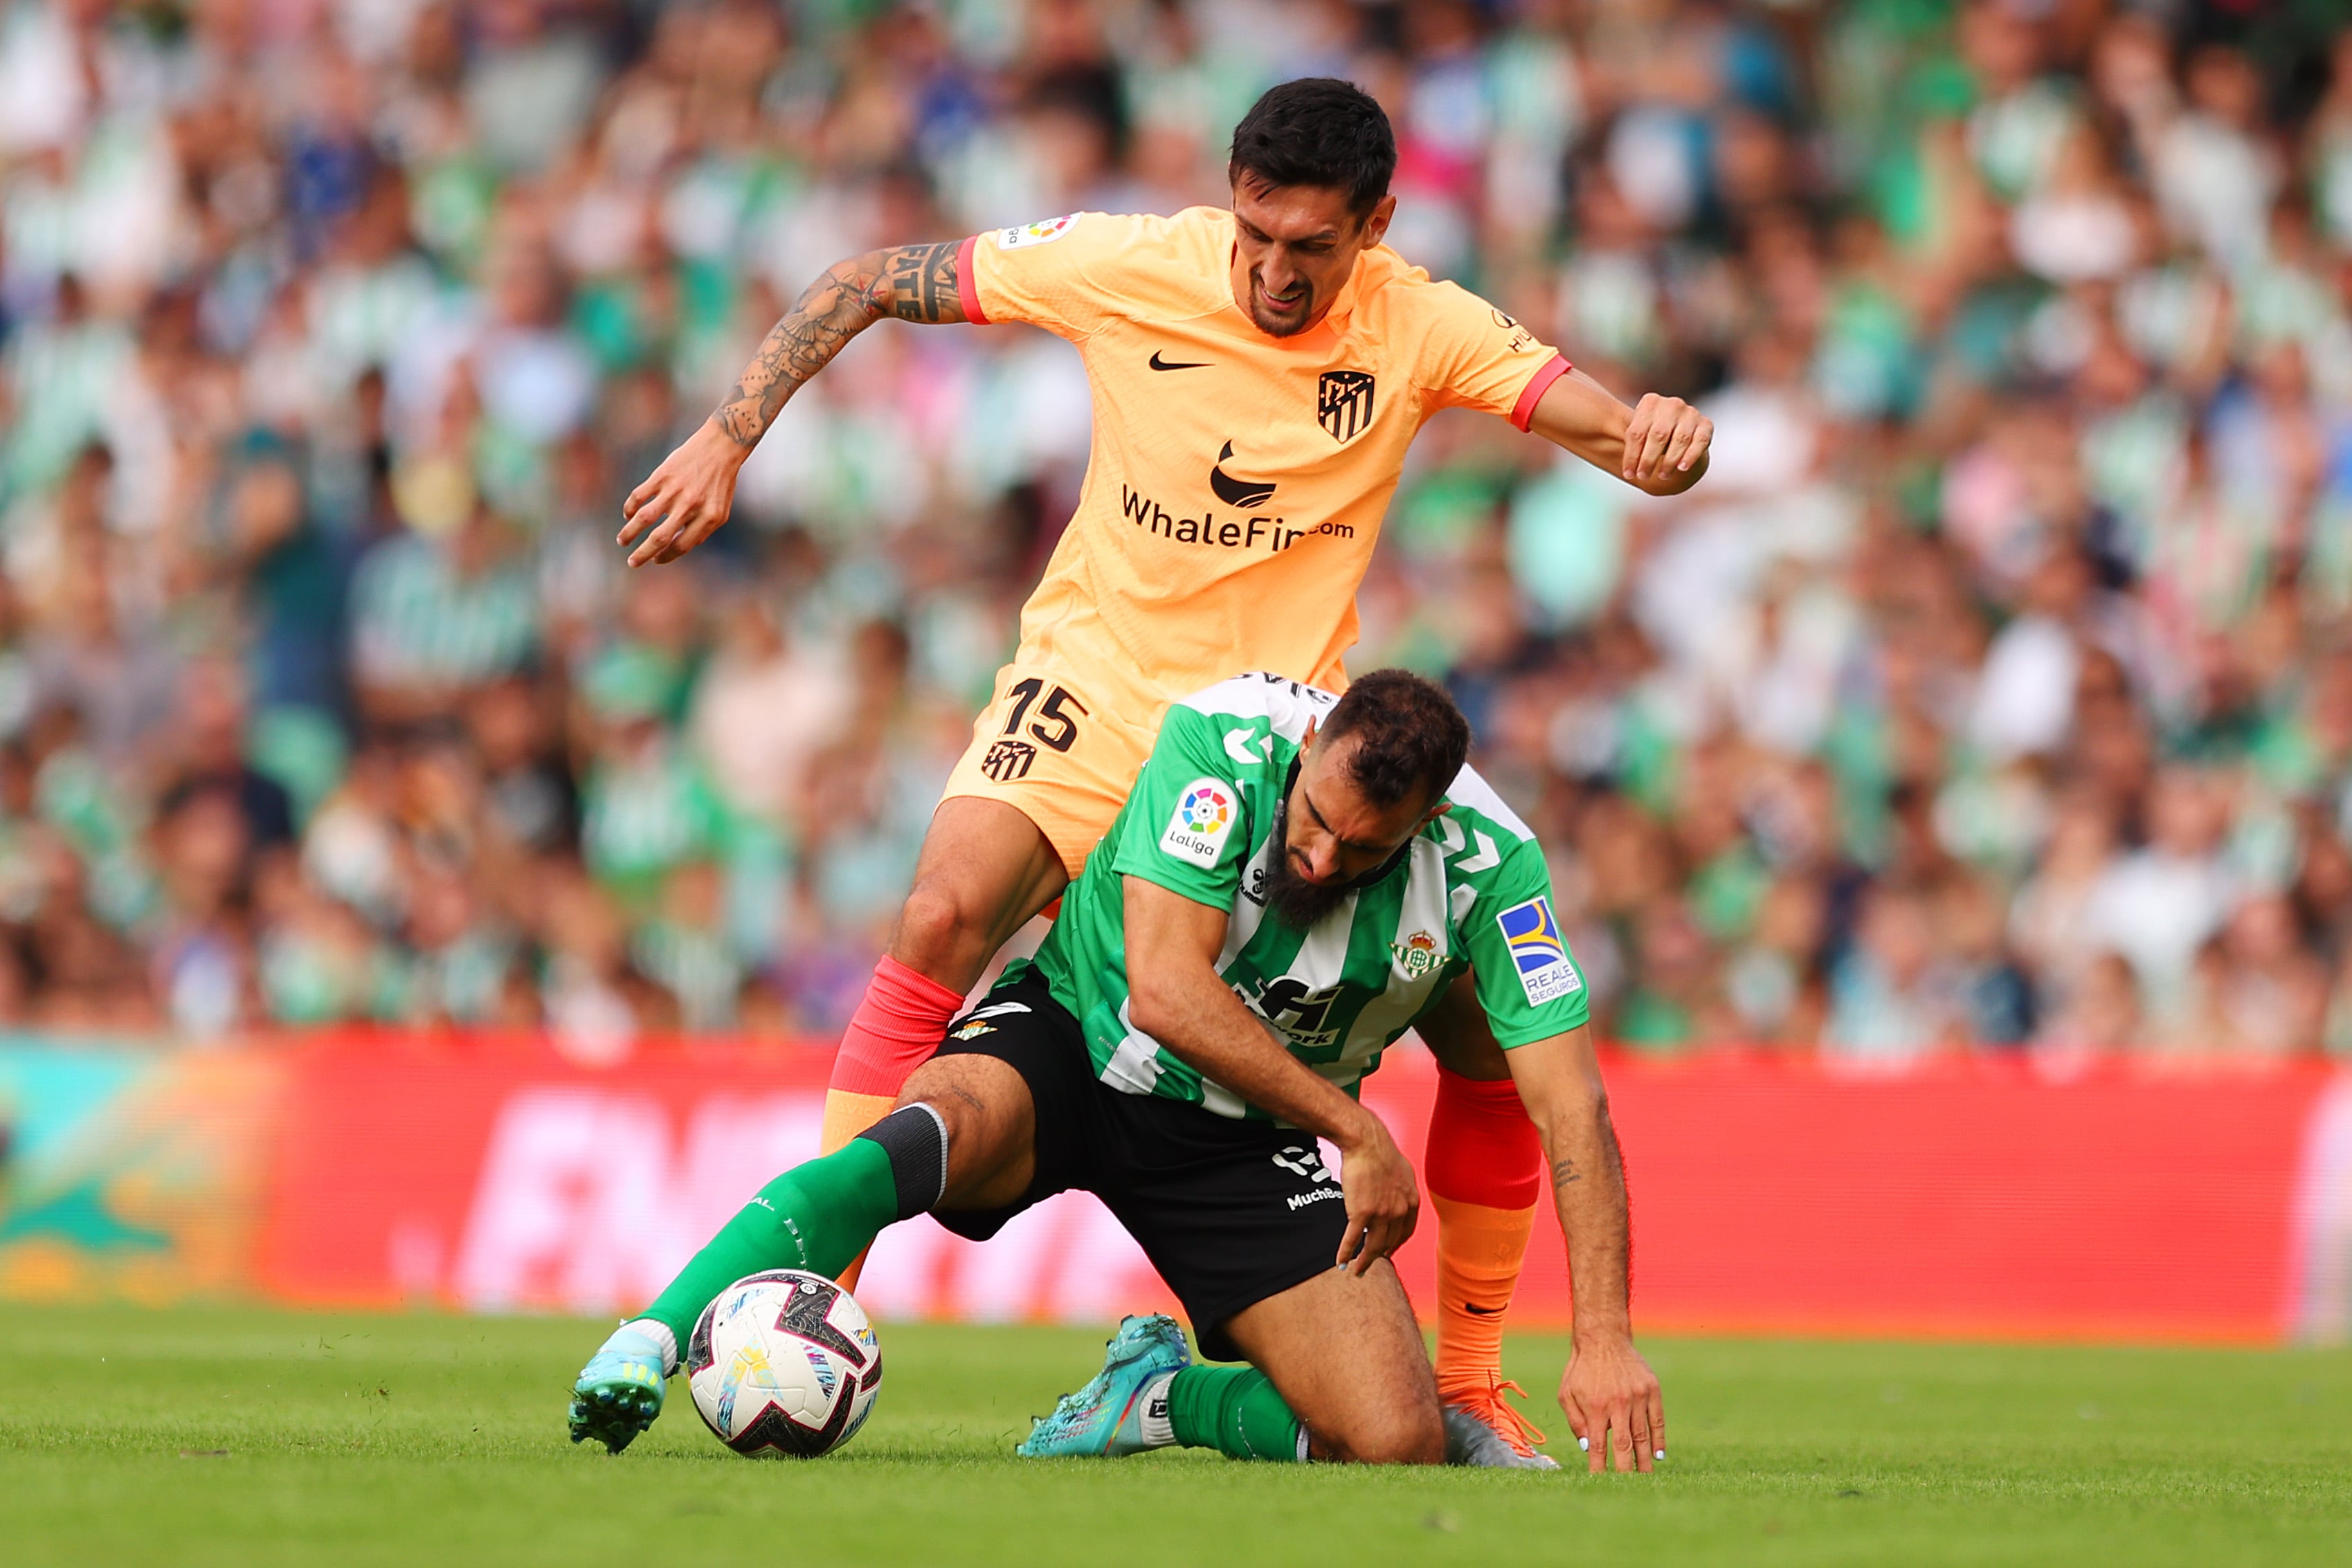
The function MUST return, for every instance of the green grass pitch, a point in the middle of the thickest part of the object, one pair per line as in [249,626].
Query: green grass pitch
[246,1436]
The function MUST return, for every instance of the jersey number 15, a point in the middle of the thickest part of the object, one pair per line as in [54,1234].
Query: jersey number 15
[1054,726]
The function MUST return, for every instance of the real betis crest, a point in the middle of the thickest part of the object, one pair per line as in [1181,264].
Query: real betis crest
[1417,954]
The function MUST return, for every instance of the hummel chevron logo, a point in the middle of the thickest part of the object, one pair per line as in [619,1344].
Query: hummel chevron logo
[1449,833]
[1158,364]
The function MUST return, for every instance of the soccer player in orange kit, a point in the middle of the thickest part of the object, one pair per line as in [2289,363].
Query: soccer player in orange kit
[1258,376]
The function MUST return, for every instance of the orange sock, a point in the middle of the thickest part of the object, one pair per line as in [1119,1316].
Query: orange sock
[1479,1254]
[848,1114]
[894,1032]
[1483,1165]
[845,1116]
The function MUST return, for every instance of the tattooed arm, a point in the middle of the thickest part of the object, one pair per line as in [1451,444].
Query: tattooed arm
[1609,1391]
[683,502]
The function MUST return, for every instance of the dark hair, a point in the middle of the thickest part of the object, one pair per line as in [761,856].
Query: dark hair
[1317,130]
[1410,740]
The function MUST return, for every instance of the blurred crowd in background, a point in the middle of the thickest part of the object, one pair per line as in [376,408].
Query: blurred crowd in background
[1993,693]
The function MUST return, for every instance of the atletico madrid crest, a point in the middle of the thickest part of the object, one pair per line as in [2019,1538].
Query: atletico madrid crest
[1343,403]
[1008,760]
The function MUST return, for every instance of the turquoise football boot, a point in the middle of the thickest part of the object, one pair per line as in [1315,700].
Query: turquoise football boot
[1105,1418]
[620,1391]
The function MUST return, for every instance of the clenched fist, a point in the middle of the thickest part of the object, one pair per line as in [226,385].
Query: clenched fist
[1666,445]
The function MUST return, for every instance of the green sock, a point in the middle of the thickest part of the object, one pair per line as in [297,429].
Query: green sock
[819,1217]
[1234,1410]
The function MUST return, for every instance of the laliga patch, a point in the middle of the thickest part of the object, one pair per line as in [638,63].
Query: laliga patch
[1044,232]
[1537,951]
[1205,815]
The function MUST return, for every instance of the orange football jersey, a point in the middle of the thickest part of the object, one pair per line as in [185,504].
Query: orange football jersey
[1236,482]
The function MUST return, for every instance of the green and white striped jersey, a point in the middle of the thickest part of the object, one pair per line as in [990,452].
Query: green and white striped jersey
[1471,892]
[415,619]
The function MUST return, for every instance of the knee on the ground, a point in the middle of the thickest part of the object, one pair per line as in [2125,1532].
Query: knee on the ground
[1413,1436]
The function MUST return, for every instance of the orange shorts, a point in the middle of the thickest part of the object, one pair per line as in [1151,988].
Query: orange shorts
[1062,752]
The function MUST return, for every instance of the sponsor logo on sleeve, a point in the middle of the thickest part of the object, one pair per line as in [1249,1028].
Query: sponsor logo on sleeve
[1521,340]
[1042,233]
[1538,952]
[1203,816]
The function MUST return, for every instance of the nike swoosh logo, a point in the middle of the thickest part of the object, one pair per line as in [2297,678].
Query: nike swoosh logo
[1160,364]
[1483,1311]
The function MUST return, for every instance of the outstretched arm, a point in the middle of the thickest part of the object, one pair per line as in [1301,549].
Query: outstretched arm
[1608,1391]
[683,502]
[1659,445]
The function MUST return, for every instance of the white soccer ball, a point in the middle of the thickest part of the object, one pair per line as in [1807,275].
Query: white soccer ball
[784,1363]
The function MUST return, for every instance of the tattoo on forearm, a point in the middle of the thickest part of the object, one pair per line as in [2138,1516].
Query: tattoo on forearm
[914,283]
[1613,1160]
[923,284]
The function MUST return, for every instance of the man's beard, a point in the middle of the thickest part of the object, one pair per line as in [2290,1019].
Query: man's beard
[1295,902]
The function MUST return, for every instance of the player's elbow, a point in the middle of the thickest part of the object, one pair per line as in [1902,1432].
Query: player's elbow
[1164,989]
[862,283]
[1568,1113]
[1152,998]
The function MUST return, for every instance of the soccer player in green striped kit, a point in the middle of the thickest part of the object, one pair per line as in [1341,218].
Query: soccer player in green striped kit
[1294,879]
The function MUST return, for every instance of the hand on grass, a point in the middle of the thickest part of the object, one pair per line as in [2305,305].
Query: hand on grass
[1614,1405]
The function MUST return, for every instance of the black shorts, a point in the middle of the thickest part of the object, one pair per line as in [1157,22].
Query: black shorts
[1230,1212]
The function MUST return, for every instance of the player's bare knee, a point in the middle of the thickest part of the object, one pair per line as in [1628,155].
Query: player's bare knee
[1417,1421]
[974,1095]
[1408,1447]
[1389,1437]
[1427,1443]
[983,1103]
[942,933]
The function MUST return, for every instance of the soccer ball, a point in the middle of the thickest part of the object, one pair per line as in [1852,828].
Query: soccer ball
[784,1363]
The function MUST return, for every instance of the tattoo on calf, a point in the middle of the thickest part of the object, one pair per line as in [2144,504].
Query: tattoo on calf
[914,283]
[1564,1171]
